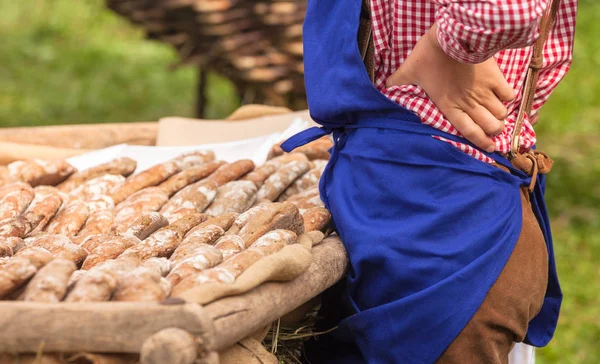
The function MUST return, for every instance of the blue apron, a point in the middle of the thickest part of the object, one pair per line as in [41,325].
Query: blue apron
[428,228]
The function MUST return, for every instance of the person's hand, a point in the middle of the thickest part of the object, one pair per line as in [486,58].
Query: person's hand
[470,96]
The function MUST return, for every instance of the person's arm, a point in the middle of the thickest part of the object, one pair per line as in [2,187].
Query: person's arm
[455,68]
[473,31]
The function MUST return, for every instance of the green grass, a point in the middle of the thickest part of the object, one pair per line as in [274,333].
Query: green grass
[68,61]
[64,61]
[570,131]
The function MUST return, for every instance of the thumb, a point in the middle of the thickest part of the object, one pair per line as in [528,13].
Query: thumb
[400,77]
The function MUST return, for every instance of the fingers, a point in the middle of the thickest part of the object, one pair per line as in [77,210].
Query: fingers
[499,85]
[495,107]
[486,121]
[470,130]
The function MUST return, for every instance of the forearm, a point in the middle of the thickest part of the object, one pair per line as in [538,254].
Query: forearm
[473,31]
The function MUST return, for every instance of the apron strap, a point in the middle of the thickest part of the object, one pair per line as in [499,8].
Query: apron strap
[531,79]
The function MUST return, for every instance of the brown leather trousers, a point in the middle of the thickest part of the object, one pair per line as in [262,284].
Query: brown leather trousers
[515,298]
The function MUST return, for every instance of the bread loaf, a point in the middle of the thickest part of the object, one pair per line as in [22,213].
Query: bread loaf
[307,200]
[147,200]
[38,172]
[50,283]
[69,220]
[110,249]
[99,186]
[150,177]
[200,257]
[235,196]
[194,198]
[141,284]
[59,245]
[163,242]
[200,237]
[282,179]
[231,268]
[260,174]
[224,222]
[74,278]
[15,227]
[230,245]
[188,176]
[259,220]
[99,222]
[306,181]
[317,218]
[231,172]
[93,241]
[99,283]
[195,158]
[42,209]
[16,198]
[145,225]
[19,268]
[9,246]
[100,202]
[118,167]
[161,265]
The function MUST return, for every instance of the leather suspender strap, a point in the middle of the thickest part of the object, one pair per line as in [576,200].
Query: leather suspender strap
[531,79]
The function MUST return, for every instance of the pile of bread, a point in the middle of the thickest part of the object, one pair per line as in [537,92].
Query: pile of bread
[106,233]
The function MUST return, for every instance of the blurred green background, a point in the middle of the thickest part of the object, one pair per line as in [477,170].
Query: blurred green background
[65,61]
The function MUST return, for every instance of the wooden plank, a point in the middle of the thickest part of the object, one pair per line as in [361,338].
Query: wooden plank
[118,327]
[88,136]
[235,318]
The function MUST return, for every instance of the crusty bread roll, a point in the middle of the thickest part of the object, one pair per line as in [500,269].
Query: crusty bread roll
[19,268]
[306,181]
[235,196]
[231,172]
[42,209]
[150,177]
[145,225]
[164,241]
[149,199]
[121,167]
[188,176]
[259,220]
[317,218]
[59,245]
[99,283]
[110,249]
[192,199]
[10,246]
[195,158]
[224,222]
[38,172]
[16,197]
[69,220]
[206,236]
[99,186]
[50,283]
[282,179]
[260,174]
[141,284]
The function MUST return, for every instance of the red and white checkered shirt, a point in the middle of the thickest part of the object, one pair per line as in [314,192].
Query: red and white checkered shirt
[472,31]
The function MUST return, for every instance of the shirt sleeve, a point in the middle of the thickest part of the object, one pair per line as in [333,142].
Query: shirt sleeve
[471,31]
